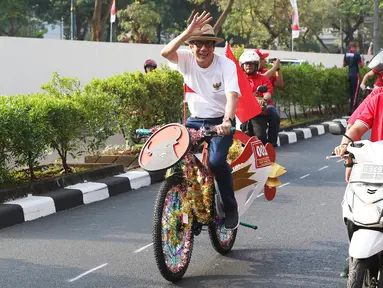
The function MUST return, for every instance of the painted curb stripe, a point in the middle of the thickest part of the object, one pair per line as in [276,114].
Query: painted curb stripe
[11,214]
[116,185]
[66,198]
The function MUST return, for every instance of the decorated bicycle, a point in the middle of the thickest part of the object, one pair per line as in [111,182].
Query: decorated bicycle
[189,198]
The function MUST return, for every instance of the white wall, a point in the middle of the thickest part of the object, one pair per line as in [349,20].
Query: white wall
[27,63]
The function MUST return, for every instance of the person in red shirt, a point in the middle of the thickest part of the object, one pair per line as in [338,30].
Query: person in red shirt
[257,126]
[361,107]
[371,117]
[369,114]
[274,73]
[276,78]
[372,73]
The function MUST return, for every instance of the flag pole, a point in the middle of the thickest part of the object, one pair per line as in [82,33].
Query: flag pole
[292,41]
[111,31]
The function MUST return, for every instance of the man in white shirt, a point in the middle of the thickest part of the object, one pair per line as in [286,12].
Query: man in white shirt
[213,83]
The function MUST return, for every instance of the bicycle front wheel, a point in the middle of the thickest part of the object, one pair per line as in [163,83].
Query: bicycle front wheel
[172,230]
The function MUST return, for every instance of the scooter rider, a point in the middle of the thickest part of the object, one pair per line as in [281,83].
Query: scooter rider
[257,126]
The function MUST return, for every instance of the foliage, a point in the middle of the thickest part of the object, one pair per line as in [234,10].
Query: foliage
[166,95]
[131,98]
[312,87]
[17,20]
[26,129]
[138,23]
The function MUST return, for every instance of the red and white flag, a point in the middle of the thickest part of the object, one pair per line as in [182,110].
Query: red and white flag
[247,106]
[189,94]
[113,12]
[370,49]
[295,27]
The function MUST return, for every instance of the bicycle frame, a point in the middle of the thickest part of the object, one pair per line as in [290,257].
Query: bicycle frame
[253,170]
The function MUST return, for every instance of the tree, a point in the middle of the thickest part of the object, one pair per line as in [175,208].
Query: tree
[352,13]
[138,23]
[17,19]
[99,21]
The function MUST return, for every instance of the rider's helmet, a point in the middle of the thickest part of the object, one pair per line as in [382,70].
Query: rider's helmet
[249,56]
[150,63]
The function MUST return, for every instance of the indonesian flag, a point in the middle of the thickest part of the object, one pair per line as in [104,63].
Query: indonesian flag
[295,27]
[113,12]
[370,49]
[247,107]
[189,94]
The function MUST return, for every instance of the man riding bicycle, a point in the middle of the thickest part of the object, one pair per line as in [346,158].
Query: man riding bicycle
[213,81]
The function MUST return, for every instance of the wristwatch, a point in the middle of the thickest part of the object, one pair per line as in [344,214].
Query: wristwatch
[228,118]
[348,165]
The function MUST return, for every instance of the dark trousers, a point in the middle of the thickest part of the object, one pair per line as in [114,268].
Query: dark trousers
[257,126]
[218,150]
[274,123]
[354,88]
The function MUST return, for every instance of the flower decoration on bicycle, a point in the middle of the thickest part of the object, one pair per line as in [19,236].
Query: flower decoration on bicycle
[189,197]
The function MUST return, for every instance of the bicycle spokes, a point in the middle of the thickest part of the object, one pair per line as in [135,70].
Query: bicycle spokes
[224,235]
[176,230]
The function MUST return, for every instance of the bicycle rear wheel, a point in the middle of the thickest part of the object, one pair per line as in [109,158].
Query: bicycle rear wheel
[221,238]
[172,230]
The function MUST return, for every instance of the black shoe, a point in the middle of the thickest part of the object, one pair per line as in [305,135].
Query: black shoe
[231,220]
[345,271]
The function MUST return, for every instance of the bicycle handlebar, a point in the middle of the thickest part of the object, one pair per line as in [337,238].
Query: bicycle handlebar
[209,132]
[144,131]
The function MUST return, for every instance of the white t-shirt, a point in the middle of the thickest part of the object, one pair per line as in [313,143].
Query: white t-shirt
[209,84]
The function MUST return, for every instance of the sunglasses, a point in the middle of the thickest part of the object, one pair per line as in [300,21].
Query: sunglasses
[207,44]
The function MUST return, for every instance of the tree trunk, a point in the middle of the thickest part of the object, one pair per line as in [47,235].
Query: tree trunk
[30,166]
[97,24]
[222,18]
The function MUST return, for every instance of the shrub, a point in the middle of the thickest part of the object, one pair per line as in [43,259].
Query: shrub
[26,129]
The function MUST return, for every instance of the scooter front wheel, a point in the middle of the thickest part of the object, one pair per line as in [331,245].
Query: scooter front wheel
[363,273]
[172,233]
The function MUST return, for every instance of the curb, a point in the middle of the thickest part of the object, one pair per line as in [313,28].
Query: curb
[34,207]
[299,134]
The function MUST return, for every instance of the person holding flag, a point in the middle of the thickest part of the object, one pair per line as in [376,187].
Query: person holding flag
[249,62]
[212,92]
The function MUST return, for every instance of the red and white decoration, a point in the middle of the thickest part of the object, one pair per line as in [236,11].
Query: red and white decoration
[113,12]
[295,27]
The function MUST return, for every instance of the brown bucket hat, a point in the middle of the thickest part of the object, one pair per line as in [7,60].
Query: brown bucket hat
[206,36]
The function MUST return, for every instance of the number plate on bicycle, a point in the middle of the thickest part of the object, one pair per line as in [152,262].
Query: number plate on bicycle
[164,148]
[262,158]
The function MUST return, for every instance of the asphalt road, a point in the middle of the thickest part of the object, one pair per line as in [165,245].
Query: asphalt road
[301,240]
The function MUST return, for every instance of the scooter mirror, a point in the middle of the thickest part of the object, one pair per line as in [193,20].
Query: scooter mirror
[262,89]
[337,128]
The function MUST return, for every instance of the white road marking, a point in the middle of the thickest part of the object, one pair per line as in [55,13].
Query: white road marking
[305,176]
[284,185]
[260,195]
[143,248]
[87,272]
[340,160]
[324,167]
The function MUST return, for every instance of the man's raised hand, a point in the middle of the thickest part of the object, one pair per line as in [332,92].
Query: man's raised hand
[196,26]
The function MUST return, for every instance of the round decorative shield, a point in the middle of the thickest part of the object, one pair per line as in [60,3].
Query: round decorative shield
[164,148]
